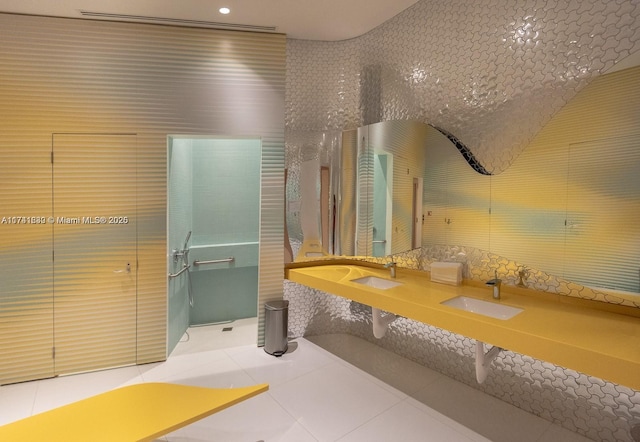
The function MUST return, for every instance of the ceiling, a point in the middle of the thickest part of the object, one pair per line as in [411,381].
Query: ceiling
[301,19]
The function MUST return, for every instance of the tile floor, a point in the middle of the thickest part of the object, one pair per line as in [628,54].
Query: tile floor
[326,388]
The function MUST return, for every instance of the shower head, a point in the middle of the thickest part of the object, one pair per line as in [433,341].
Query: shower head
[186,240]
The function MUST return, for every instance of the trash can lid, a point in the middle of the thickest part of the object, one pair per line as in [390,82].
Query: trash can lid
[276,305]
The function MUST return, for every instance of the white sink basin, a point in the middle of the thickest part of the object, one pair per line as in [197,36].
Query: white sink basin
[486,308]
[375,282]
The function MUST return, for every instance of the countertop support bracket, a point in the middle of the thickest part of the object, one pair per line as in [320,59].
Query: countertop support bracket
[483,360]
[381,322]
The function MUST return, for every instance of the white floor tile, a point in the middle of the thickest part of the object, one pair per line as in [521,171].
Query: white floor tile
[341,345]
[17,401]
[301,358]
[213,337]
[220,373]
[446,420]
[181,365]
[259,419]
[405,423]
[356,391]
[63,390]
[332,401]
[481,413]
[386,367]
[556,433]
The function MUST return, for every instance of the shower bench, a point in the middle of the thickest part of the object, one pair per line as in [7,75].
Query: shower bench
[141,412]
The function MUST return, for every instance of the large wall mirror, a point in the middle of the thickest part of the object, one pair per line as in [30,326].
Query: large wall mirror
[567,206]
[390,173]
[403,184]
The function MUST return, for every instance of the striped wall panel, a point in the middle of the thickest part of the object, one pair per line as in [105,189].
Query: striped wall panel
[405,141]
[72,76]
[568,205]
[26,258]
[364,194]
[271,267]
[347,193]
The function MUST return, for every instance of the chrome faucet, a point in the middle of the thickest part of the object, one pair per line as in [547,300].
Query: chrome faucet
[392,268]
[495,283]
[522,274]
[177,254]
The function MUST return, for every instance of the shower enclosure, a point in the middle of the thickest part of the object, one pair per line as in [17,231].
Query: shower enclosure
[213,230]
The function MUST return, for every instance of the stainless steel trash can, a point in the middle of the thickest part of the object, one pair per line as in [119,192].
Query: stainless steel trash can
[276,323]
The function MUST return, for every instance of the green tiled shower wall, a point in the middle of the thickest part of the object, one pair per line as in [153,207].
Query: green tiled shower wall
[214,192]
[226,191]
[381,192]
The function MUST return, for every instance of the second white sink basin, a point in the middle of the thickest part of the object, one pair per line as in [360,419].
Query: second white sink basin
[492,309]
[375,282]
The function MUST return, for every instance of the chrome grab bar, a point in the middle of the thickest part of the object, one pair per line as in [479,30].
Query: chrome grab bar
[214,261]
[175,275]
[379,241]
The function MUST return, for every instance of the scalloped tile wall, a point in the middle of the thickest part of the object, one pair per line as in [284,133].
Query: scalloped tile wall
[489,72]
[492,73]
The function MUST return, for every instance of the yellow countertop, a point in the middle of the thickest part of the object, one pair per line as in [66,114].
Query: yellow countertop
[594,338]
[140,412]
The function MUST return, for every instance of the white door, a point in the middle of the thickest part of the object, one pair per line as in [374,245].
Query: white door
[94,243]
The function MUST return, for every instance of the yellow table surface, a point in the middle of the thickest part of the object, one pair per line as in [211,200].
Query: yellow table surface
[587,336]
[141,412]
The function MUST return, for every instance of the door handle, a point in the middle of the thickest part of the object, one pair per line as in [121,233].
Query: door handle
[126,269]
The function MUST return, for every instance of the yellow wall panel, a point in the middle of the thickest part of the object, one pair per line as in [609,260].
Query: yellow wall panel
[71,76]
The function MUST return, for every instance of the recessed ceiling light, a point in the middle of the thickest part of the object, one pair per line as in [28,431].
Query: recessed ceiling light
[224,11]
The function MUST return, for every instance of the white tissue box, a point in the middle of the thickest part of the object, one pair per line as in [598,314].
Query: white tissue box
[446,272]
